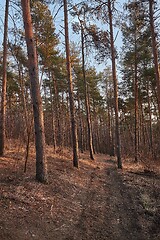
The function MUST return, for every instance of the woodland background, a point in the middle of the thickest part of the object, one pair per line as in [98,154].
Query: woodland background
[134,67]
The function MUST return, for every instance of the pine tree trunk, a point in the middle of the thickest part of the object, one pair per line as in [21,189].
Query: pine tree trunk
[4,84]
[80,125]
[58,130]
[52,115]
[90,138]
[136,102]
[70,86]
[41,163]
[155,51]
[28,123]
[109,125]
[115,82]
[150,121]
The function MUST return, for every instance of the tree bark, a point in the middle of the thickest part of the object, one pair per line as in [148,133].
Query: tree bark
[28,123]
[90,138]
[4,84]
[136,100]
[150,121]
[115,82]
[81,145]
[41,163]
[70,86]
[52,115]
[58,130]
[155,51]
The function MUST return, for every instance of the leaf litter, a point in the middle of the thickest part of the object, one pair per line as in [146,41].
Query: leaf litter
[96,201]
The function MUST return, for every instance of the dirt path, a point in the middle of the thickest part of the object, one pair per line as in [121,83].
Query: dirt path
[108,211]
[91,203]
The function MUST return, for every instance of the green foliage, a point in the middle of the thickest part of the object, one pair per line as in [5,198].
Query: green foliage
[135,32]
[44,30]
[95,38]
[13,87]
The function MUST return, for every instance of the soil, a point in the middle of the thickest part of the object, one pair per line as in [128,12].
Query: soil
[96,201]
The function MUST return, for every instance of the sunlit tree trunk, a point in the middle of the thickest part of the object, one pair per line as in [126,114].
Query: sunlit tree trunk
[70,86]
[52,114]
[155,50]
[4,84]
[90,138]
[80,125]
[41,163]
[150,120]
[110,149]
[115,82]
[28,123]
[58,130]
[136,100]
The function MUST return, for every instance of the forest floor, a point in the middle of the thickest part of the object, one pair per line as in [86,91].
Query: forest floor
[96,201]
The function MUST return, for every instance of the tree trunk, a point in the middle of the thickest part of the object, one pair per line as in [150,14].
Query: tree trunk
[90,138]
[155,51]
[52,115]
[70,86]
[109,125]
[58,130]
[80,125]
[28,123]
[136,101]
[41,163]
[150,121]
[4,84]
[115,82]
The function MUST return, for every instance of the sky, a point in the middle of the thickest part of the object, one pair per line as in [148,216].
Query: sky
[58,18]
[2,3]
[58,22]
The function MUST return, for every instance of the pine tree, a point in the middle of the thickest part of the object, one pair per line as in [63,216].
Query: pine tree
[70,86]
[41,163]
[4,84]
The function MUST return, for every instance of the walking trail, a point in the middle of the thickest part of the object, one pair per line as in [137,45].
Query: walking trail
[96,201]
